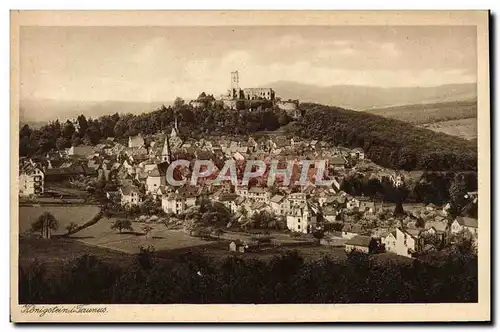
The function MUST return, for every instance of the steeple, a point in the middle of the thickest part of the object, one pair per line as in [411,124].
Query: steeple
[175,129]
[166,154]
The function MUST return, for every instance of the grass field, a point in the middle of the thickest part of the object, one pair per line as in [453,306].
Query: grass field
[160,237]
[65,214]
[464,128]
[429,113]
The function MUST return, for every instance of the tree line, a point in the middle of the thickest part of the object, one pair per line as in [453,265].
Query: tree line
[388,142]
[438,188]
[285,278]
[192,123]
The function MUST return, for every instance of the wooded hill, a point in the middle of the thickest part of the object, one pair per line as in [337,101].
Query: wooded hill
[388,142]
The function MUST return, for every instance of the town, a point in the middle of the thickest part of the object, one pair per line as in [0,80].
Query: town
[125,183]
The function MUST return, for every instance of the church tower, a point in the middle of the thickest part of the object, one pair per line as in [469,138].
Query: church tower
[165,153]
[175,129]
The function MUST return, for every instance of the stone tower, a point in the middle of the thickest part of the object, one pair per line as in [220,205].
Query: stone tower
[235,80]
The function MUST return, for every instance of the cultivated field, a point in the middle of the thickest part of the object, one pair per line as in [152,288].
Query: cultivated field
[464,128]
[65,214]
[429,113]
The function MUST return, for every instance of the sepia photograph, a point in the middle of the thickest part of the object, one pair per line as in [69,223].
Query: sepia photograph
[306,166]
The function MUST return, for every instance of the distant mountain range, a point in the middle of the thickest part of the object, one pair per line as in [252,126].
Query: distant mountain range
[346,96]
[366,97]
[45,110]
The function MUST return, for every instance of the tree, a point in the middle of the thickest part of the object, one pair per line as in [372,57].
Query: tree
[82,124]
[263,219]
[373,246]
[62,143]
[45,223]
[71,227]
[178,102]
[432,239]
[318,235]
[68,130]
[147,229]
[122,224]
[457,191]
[145,258]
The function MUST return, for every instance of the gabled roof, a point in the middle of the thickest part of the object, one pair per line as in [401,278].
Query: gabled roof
[239,200]
[127,190]
[227,197]
[360,241]
[412,232]
[83,150]
[437,225]
[467,222]
[154,173]
[277,198]
[258,190]
[337,161]
[259,206]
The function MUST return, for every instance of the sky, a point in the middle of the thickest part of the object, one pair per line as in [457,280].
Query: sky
[161,63]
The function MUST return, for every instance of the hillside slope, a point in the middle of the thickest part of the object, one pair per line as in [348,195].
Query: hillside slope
[388,142]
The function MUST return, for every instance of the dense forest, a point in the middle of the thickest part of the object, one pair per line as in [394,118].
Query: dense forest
[286,278]
[388,142]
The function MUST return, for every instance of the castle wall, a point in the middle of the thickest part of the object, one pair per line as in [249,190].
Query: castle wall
[258,93]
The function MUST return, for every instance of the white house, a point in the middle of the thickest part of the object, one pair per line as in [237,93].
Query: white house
[241,191]
[154,180]
[176,203]
[279,205]
[31,181]
[461,223]
[301,219]
[407,242]
[258,194]
[389,241]
[229,201]
[297,198]
[130,196]
[352,203]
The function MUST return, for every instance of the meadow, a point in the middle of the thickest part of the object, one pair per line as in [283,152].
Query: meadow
[65,214]
[130,241]
[429,113]
[464,128]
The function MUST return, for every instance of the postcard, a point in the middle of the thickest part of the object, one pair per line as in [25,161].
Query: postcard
[250,166]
